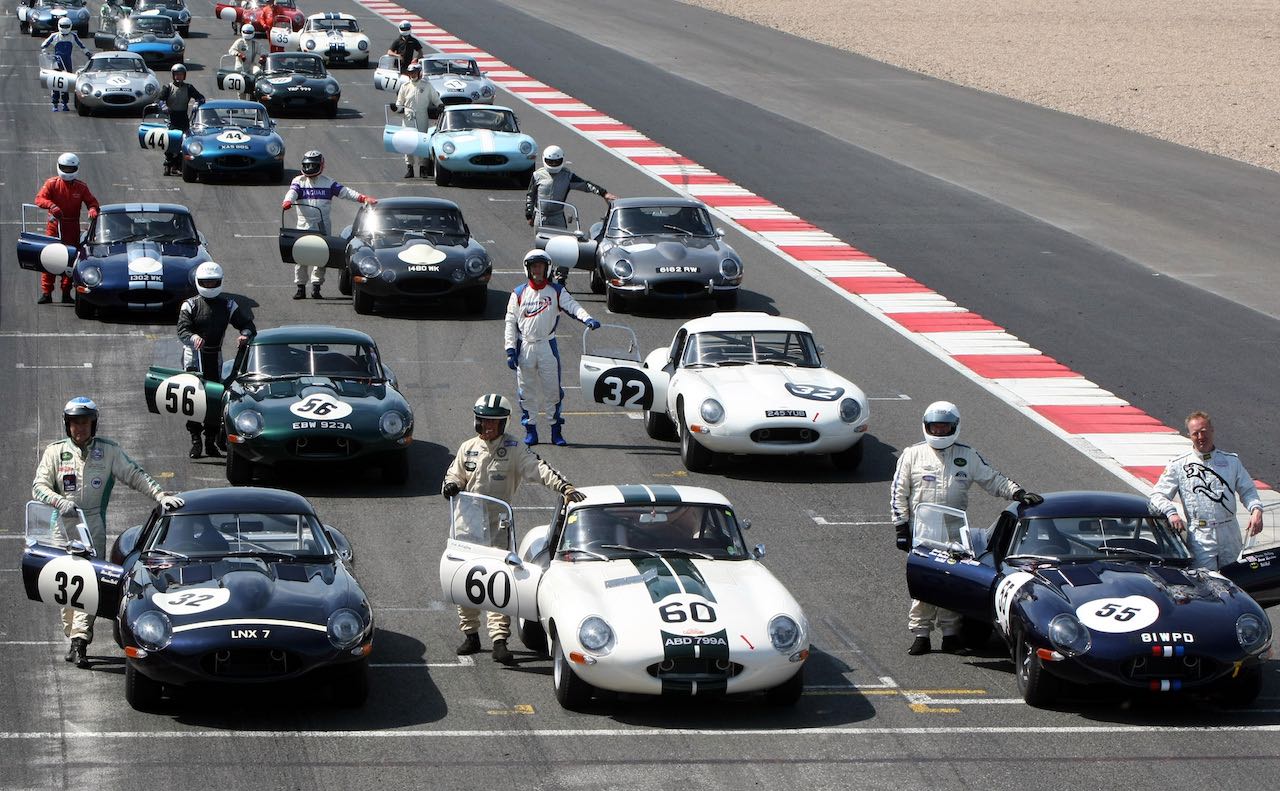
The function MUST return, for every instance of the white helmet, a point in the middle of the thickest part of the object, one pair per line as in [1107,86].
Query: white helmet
[537,257]
[941,412]
[406,28]
[64,25]
[68,164]
[209,279]
[247,33]
[553,158]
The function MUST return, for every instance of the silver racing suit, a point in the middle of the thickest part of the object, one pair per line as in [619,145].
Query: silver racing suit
[1208,485]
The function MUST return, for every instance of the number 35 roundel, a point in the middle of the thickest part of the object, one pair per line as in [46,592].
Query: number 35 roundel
[628,388]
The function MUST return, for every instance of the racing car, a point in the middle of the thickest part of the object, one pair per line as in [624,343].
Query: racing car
[1096,588]
[648,590]
[153,36]
[134,256]
[259,14]
[471,139]
[227,137]
[298,395]
[457,79]
[240,586]
[335,37]
[296,81]
[114,81]
[734,383]
[40,18]
[646,249]
[174,9]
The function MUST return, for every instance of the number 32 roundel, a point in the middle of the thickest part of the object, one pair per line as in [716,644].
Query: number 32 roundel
[628,388]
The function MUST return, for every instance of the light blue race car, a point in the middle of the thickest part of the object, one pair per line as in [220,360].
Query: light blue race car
[471,139]
[227,137]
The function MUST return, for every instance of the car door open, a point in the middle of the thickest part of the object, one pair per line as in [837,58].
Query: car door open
[942,568]
[39,252]
[311,246]
[1257,569]
[479,567]
[610,371]
[59,565]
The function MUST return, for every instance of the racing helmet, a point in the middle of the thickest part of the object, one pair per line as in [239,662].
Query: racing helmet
[414,68]
[68,165]
[80,406]
[209,279]
[178,70]
[537,257]
[406,28]
[553,158]
[947,414]
[492,406]
[64,25]
[312,163]
[247,32]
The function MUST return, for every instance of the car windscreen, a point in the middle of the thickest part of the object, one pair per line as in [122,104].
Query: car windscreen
[133,65]
[493,120]
[660,221]
[461,66]
[160,25]
[1096,537]
[62,4]
[746,347]
[173,5]
[620,531]
[248,534]
[304,64]
[132,226]
[392,227]
[244,117]
[337,360]
[345,25]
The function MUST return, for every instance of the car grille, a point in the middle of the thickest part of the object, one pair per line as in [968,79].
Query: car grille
[152,297]
[678,288]
[424,285]
[1182,668]
[784,435]
[489,159]
[324,447]
[249,663]
[232,161]
[455,99]
[154,57]
[683,673]
[118,98]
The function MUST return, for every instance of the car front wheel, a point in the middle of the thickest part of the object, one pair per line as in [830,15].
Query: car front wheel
[396,467]
[1243,689]
[239,469]
[142,693]
[658,425]
[84,310]
[694,454]
[1039,688]
[614,301]
[362,301]
[344,282]
[533,636]
[788,692]
[572,692]
[849,458]
[443,177]
[350,685]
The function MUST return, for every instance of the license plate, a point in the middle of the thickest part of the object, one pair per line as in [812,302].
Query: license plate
[784,413]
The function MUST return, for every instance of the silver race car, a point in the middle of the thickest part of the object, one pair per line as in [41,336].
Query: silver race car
[115,81]
[458,80]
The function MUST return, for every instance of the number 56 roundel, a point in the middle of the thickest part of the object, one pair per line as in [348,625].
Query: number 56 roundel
[181,395]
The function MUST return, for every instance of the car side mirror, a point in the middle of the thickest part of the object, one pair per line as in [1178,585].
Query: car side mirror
[580,236]
[151,109]
[340,545]
[719,233]
[757,551]
[513,560]
[746,524]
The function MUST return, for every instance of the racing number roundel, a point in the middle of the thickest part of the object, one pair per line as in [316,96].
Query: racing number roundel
[233,82]
[191,600]
[311,250]
[69,581]
[233,136]
[227,14]
[1118,615]
[628,388]
[182,395]
[280,36]
[405,140]
[320,406]
[158,137]
[56,258]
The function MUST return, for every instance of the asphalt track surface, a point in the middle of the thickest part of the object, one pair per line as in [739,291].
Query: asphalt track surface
[871,717]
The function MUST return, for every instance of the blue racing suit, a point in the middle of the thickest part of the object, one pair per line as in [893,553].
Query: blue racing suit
[63,45]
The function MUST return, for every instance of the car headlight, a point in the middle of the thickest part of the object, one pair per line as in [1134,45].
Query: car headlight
[595,635]
[475,265]
[86,89]
[784,633]
[486,91]
[712,411]
[362,45]
[391,424]
[152,630]
[448,148]
[331,88]
[177,46]
[526,147]
[151,88]
[345,628]
[274,148]
[265,88]
[730,268]
[850,409]
[184,17]
[1251,632]
[249,423]
[457,275]
[1068,635]
[194,148]
[91,275]
[311,43]
[622,269]
[370,266]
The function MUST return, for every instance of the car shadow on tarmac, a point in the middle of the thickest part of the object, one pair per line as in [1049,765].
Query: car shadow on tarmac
[877,466]
[427,464]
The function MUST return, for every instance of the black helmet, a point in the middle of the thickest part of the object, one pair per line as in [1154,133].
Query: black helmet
[492,406]
[312,163]
[80,406]
[177,69]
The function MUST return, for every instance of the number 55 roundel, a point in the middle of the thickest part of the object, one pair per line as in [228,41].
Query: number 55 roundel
[629,388]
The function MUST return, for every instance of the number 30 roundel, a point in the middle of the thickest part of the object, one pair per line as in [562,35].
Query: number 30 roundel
[628,388]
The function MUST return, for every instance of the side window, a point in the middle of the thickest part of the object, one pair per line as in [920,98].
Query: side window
[677,349]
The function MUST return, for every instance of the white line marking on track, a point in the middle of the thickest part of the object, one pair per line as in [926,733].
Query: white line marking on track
[24,366]
[820,520]
[462,661]
[20,334]
[32,642]
[898,397]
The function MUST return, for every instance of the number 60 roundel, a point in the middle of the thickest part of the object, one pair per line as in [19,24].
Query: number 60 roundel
[628,388]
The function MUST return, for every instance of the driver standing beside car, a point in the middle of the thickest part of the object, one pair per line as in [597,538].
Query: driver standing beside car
[80,472]
[939,471]
[1208,481]
[248,58]
[552,182]
[418,100]
[494,463]
[314,194]
[407,48]
[176,98]
[63,196]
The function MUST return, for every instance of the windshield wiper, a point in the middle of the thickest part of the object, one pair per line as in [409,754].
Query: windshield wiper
[133,237]
[735,362]
[776,361]
[626,548]
[701,365]
[1129,551]
[163,551]
[678,229]
[1032,556]
[683,551]
[595,555]
[180,240]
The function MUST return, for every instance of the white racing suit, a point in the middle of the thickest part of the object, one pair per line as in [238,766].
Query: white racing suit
[86,476]
[532,316]
[941,477]
[249,49]
[497,469]
[1208,485]
[418,101]
[312,198]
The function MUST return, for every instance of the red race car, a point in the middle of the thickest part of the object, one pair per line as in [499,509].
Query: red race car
[262,14]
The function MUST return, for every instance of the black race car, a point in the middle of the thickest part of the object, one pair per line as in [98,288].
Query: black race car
[238,585]
[297,82]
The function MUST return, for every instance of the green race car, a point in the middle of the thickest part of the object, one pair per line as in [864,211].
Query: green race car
[303,393]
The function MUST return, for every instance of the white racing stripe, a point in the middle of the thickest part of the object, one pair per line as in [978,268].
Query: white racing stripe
[315,627]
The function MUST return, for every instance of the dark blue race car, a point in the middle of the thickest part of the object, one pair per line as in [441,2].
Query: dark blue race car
[239,585]
[1095,587]
[135,256]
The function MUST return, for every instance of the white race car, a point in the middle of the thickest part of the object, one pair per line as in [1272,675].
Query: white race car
[647,590]
[734,383]
[335,37]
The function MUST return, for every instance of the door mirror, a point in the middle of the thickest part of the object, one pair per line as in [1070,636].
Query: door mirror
[757,551]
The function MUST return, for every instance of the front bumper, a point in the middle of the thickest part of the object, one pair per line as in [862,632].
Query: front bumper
[641,672]
[486,162]
[203,658]
[781,437]
[417,286]
[315,447]
[230,162]
[669,290]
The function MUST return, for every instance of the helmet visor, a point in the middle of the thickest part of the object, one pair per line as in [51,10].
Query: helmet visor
[940,428]
[209,282]
[67,168]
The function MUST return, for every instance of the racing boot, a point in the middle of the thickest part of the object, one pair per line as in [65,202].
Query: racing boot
[211,447]
[408,171]
[44,299]
[315,291]
[954,644]
[470,645]
[55,109]
[65,108]
[79,652]
[531,435]
[502,654]
[67,299]
[195,446]
[920,646]
[301,293]
[422,171]
[557,438]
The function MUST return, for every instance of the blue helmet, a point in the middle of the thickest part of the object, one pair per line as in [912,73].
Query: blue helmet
[80,406]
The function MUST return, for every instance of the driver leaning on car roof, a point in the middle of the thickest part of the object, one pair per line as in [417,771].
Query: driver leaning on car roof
[940,471]
[1208,481]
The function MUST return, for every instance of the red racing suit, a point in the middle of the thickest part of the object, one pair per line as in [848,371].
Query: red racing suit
[63,199]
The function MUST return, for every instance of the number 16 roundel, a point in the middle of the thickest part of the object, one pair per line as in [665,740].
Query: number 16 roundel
[628,388]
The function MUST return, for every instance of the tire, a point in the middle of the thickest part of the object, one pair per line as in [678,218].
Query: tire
[142,693]
[395,469]
[533,636]
[522,178]
[84,310]
[475,300]
[443,177]
[597,281]
[239,469]
[189,174]
[572,692]
[81,109]
[344,282]
[788,692]
[849,458]
[350,685]
[614,301]
[659,426]
[975,634]
[1242,690]
[23,27]
[332,112]
[1039,688]
[362,301]
[726,300]
[695,456]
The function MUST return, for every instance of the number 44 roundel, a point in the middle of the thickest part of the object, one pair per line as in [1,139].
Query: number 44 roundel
[628,388]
